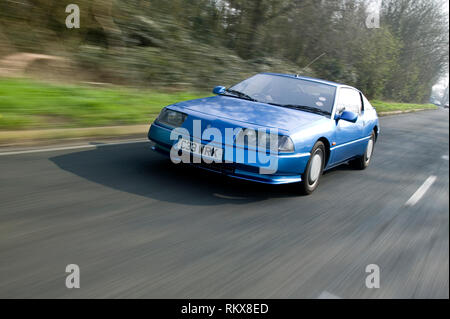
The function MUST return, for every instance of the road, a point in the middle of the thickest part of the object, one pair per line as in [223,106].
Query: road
[141,227]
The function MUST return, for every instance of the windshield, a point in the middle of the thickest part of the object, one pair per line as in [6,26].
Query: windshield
[285,91]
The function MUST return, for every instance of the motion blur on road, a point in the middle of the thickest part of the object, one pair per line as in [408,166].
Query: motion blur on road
[139,226]
[80,83]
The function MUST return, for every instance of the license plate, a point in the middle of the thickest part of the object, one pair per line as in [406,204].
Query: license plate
[208,151]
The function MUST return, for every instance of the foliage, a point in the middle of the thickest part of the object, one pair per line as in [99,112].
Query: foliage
[203,43]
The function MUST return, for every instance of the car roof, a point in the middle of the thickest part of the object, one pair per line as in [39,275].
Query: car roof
[307,78]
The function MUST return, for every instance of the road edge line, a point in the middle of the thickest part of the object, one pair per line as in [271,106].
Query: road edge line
[65,148]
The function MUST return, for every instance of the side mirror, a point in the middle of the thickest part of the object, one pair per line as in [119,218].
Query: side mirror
[347,116]
[219,90]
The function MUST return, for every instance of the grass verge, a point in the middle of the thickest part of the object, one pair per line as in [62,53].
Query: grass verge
[383,106]
[27,104]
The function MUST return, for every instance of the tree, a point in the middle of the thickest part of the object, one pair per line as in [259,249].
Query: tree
[421,27]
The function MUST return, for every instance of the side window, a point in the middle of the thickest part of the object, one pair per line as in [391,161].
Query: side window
[349,100]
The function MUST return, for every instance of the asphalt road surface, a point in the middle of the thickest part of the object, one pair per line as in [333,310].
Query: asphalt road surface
[139,226]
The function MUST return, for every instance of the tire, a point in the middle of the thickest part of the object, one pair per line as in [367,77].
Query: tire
[363,162]
[314,169]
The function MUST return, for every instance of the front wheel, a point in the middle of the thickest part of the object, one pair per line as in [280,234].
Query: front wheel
[364,161]
[314,169]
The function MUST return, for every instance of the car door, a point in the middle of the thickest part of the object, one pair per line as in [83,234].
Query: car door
[349,136]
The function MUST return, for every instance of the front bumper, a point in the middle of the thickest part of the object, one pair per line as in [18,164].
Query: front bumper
[290,167]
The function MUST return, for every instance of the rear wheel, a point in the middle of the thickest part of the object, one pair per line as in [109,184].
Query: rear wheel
[314,169]
[364,161]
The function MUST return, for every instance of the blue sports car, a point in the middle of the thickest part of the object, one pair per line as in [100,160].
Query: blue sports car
[271,128]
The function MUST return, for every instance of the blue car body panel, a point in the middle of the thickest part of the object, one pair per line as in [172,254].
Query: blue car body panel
[344,140]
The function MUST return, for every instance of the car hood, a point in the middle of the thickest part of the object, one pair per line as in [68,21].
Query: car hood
[259,114]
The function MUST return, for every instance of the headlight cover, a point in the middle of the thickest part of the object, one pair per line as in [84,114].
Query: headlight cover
[171,118]
[262,139]
[285,144]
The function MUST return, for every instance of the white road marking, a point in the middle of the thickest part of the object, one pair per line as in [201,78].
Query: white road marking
[327,295]
[421,191]
[64,148]
[445,157]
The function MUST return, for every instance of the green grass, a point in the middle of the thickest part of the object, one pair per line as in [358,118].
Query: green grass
[383,106]
[26,104]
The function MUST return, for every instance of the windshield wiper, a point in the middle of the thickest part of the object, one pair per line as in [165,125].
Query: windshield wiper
[241,95]
[304,108]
